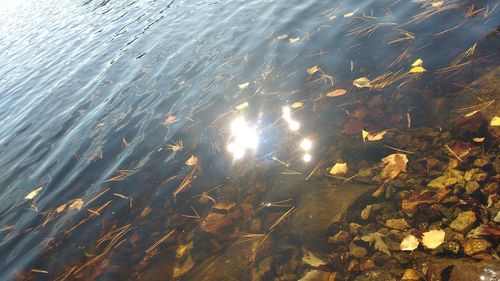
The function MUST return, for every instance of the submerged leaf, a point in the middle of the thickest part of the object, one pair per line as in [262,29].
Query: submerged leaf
[417,69]
[297,104]
[409,243]
[281,37]
[495,121]
[418,62]
[33,194]
[313,69]
[375,238]
[192,161]
[395,163]
[336,93]
[244,85]
[362,82]
[312,260]
[478,139]
[76,205]
[293,40]
[433,239]
[241,106]
[373,137]
[348,15]
[183,268]
[339,169]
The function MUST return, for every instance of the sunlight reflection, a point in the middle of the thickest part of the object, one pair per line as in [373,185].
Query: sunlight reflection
[293,125]
[243,137]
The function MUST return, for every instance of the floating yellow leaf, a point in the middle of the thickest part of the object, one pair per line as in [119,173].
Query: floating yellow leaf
[395,163]
[418,62]
[409,243]
[495,121]
[192,161]
[348,15]
[362,82]
[311,70]
[433,239]
[61,208]
[417,69]
[297,104]
[281,37]
[437,4]
[364,134]
[339,169]
[241,106]
[33,194]
[478,139]
[376,136]
[244,85]
[181,269]
[293,40]
[76,205]
[336,93]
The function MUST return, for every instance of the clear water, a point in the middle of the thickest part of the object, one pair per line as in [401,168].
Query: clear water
[86,88]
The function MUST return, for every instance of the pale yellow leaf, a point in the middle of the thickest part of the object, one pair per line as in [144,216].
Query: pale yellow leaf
[348,15]
[418,62]
[241,106]
[437,4]
[33,194]
[339,169]
[336,93]
[311,70]
[417,69]
[192,161]
[433,239]
[244,85]
[76,205]
[297,104]
[364,134]
[281,37]
[376,136]
[293,40]
[478,139]
[312,260]
[409,243]
[395,163]
[495,121]
[362,82]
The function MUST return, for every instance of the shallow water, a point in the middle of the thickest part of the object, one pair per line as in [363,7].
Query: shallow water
[87,88]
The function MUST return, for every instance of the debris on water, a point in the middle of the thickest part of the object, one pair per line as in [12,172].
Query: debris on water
[33,194]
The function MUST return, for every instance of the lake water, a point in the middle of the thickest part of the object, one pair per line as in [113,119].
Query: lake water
[97,98]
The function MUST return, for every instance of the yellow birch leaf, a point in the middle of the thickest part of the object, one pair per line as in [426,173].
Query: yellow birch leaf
[495,121]
[409,243]
[362,82]
[376,136]
[313,69]
[336,93]
[433,239]
[293,40]
[417,69]
[478,139]
[33,194]
[241,106]
[244,85]
[348,15]
[364,134]
[339,169]
[297,104]
[418,62]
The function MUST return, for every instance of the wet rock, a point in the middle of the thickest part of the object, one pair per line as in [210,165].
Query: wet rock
[367,265]
[316,275]
[323,206]
[354,228]
[471,187]
[341,236]
[365,213]
[462,269]
[474,247]
[353,265]
[480,162]
[411,275]
[357,251]
[464,222]
[375,275]
[451,246]
[399,224]
[234,264]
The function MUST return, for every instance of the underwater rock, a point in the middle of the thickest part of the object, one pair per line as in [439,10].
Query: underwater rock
[461,269]
[323,206]
[476,246]
[376,275]
[399,224]
[464,222]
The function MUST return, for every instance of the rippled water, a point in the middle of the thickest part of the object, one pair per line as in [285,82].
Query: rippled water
[87,88]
